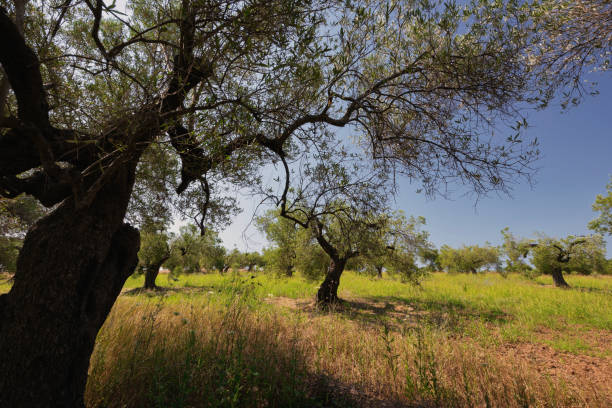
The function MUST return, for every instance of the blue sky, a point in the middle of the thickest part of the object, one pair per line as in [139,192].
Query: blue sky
[576,165]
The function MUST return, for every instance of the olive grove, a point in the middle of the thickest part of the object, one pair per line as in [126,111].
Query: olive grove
[223,87]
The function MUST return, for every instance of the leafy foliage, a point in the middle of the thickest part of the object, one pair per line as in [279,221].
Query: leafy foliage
[583,255]
[468,258]
[190,251]
[154,250]
[396,246]
[603,204]
[283,234]
[516,251]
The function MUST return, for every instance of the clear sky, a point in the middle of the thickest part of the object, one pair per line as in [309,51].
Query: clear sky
[576,165]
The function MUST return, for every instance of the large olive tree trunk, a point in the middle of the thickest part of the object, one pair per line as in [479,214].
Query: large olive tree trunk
[558,279]
[70,271]
[328,291]
[151,273]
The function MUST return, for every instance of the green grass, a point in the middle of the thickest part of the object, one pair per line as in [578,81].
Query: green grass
[484,305]
[5,282]
[212,340]
[243,340]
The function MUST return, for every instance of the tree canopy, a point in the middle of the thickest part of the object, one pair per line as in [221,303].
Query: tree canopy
[470,258]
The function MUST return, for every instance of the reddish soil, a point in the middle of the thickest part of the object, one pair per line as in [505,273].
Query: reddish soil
[570,367]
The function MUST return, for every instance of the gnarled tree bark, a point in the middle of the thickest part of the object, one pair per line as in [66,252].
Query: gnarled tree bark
[75,260]
[328,291]
[151,273]
[558,279]
[70,271]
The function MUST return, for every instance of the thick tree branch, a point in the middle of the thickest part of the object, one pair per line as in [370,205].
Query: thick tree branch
[22,69]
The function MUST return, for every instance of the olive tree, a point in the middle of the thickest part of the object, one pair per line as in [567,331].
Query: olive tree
[584,255]
[190,251]
[339,202]
[516,251]
[282,233]
[154,251]
[470,258]
[431,258]
[396,246]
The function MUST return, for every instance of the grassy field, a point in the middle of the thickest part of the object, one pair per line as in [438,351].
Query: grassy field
[455,340]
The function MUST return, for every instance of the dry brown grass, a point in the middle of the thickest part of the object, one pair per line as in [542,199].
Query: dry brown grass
[207,353]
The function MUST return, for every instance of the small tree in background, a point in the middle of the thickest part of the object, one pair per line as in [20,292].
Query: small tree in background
[340,200]
[283,234]
[212,251]
[431,258]
[252,260]
[154,251]
[581,254]
[187,250]
[516,251]
[395,246]
[468,258]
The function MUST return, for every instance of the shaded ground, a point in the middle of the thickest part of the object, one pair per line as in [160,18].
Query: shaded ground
[397,312]
[168,290]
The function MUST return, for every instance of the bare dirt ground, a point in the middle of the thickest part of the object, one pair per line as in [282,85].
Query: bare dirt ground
[556,364]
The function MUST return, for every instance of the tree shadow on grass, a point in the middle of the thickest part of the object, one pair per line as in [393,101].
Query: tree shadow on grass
[396,311]
[575,287]
[232,362]
[166,290]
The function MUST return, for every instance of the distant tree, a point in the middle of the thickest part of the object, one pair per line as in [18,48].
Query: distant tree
[154,251]
[395,246]
[252,260]
[190,250]
[580,254]
[233,260]
[603,204]
[516,251]
[431,258]
[282,233]
[236,260]
[340,201]
[212,252]
[468,258]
